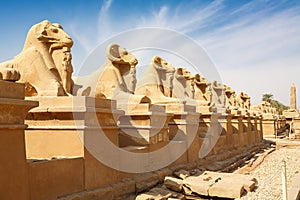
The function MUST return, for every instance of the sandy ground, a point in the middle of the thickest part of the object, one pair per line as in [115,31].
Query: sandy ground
[268,173]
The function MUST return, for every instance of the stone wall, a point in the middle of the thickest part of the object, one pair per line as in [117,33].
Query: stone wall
[13,168]
[54,140]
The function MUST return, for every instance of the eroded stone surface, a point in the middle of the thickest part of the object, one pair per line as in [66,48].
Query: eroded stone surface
[35,65]
[174,184]
[115,79]
[224,185]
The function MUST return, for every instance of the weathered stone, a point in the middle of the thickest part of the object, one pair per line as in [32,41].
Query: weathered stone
[243,103]
[218,96]
[174,184]
[170,86]
[123,188]
[182,174]
[115,79]
[38,66]
[155,194]
[187,190]
[231,103]
[226,189]
[103,193]
[160,193]
[162,173]
[14,181]
[225,185]
[146,181]
[196,172]
[198,184]
[248,182]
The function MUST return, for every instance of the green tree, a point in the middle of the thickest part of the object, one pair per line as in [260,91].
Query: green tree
[267,97]
[274,103]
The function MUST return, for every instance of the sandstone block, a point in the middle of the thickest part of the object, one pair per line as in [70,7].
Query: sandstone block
[182,174]
[174,184]
[226,189]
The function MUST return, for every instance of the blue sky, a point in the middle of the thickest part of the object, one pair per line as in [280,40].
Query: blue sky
[255,45]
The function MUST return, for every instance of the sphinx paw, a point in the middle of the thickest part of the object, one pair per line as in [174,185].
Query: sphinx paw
[9,74]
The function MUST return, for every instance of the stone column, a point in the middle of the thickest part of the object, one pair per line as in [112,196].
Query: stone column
[293,104]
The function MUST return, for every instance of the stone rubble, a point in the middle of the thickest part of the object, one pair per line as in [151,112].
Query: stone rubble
[211,184]
[174,184]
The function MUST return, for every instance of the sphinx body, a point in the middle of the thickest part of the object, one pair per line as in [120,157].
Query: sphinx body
[231,103]
[243,101]
[202,88]
[157,82]
[218,97]
[165,84]
[37,67]
[184,88]
[115,79]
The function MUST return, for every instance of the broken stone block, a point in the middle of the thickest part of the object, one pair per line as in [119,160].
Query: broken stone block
[249,182]
[196,172]
[174,184]
[182,174]
[158,193]
[147,196]
[226,189]
[249,185]
[198,185]
[224,185]
[187,190]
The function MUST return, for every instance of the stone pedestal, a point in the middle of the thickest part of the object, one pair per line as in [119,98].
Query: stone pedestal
[202,133]
[229,132]
[290,114]
[183,129]
[252,128]
[57,126]
[260,127]
[296,127]
[256,129]
[233,111]
[244,128]
[268,125]
[67,127]
[243,111]
[221,130]
[205,109]
[13,168]
[146,125]
[235,124]
[212,133]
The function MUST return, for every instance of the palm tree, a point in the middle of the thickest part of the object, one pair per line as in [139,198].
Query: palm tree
[267,97]
[274,103]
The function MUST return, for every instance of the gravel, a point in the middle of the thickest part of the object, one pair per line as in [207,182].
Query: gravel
[268,174]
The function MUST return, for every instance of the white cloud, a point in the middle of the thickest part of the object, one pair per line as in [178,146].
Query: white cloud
[255,47]
[106,5]
[265,51]
[104,23]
